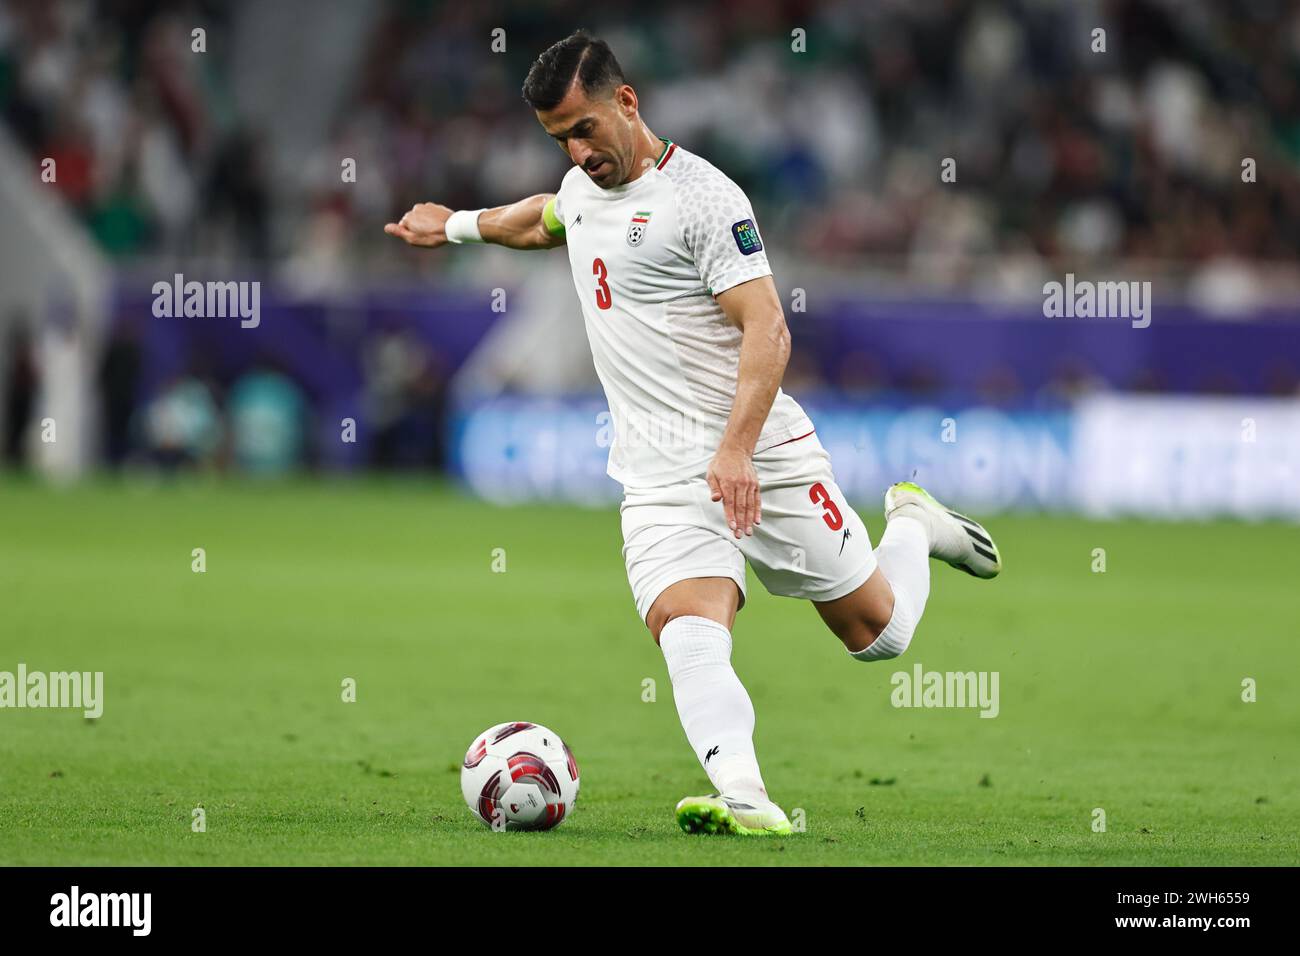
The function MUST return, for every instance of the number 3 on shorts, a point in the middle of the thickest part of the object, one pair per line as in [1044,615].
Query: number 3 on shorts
[820,496]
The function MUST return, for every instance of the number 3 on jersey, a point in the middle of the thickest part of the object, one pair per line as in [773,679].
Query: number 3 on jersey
[603,298]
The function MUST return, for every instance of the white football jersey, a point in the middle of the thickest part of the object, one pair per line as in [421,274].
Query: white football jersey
[648,257]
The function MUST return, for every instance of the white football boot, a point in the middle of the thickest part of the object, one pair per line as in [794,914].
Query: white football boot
[954,538]
[739,815]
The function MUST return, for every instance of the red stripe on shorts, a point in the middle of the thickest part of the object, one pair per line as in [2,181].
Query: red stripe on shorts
[788,440]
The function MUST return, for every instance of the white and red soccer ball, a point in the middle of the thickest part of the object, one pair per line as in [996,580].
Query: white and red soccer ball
[520,776]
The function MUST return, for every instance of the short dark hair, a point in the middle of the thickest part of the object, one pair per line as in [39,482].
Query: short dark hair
[578,55]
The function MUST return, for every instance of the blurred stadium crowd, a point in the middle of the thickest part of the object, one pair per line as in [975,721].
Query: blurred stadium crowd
[1063,154]
[1068,159]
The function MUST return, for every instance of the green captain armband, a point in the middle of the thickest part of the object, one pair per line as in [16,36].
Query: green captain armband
[552,221]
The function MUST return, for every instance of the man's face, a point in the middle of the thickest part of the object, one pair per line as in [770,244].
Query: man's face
[598,134]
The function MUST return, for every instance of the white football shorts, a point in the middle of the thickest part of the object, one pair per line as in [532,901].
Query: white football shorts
[811,544]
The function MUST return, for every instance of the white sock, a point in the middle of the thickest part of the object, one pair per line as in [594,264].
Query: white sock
[904,560]
[714,708]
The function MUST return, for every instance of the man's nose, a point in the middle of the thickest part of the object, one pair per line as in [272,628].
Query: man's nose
[579,152]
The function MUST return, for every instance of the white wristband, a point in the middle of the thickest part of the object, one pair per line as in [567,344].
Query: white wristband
[462,226]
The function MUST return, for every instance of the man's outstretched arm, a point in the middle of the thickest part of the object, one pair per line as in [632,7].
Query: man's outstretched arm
[527,224]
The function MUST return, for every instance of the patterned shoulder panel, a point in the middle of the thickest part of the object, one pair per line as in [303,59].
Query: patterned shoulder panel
[716,221]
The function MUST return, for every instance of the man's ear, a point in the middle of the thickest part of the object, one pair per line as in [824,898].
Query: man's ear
[626,97]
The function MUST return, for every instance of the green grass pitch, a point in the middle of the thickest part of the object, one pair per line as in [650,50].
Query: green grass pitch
[1119,690]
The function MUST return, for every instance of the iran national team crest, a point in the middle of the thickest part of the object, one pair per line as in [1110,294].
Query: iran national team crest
[637,227]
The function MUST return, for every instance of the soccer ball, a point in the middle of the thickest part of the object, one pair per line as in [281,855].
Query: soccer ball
[519,776]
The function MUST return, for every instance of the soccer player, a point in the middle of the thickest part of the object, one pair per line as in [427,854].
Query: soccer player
[718,464]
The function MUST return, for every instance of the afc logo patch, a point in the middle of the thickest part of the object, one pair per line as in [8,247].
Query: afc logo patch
[637,227]
[747,239]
